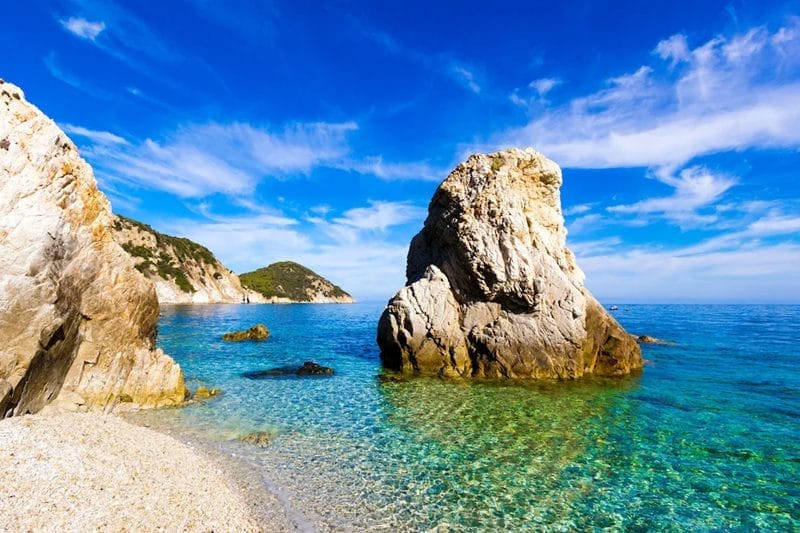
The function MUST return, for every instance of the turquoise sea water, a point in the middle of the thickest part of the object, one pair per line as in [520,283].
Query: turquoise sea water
[706,438]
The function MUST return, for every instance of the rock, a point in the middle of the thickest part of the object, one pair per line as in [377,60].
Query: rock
[5,398]
[647,339]
[204,393]
[77,321]
[259,332]
[492,289]
[309,368]
[258,438]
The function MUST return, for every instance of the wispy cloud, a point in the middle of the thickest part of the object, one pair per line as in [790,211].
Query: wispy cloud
[101,137]
[198,160]
[465,77]
[750,271]
[544,85]
[695,188]
[59,73]
[391,171]
[756,261]
[367,262]
[83,28]
[122,31]
[730,93]
[460,72]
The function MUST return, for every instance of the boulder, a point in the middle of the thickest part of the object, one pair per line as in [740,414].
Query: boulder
[259,332]
[647,339]
[492,289]
[77,320]
[204,393]
[309,368]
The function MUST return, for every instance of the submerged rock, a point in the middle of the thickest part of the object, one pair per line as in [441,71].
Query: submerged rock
[259,332]
[257,438]
[204,393]
[77,321]
[492,289]
[309,368]
[647,339]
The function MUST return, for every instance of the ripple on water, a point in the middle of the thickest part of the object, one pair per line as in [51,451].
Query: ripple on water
[706,438]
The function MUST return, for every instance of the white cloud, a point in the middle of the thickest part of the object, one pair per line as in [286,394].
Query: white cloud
[755,263]
[366,263]
[381,215]
[584,223]
[390,171]
[83,28]
[726,94]
[675,49]
[352,225]
[200,160]
[744,273]
[544,85]
[465,77]
[577,209]
[774,224]
[695,188]
[100,137]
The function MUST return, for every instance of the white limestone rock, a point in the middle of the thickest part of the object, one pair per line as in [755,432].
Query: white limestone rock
[77,321]
[496,235]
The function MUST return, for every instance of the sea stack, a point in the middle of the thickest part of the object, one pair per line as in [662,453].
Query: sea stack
[77,320]
[492,289]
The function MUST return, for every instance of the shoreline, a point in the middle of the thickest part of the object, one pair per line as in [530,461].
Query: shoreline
[103,472]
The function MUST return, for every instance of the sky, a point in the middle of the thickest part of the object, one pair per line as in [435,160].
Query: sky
[318,131]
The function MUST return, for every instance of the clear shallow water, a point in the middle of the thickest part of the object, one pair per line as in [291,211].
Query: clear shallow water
[707,437]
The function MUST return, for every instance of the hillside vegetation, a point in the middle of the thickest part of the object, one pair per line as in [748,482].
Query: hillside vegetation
[287,279]
[170,255]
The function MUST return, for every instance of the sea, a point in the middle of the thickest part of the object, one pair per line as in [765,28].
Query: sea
[705,438]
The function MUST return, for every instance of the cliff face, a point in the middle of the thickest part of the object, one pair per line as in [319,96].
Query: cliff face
[183,271]
[77,321]
[289,282]
[492,289]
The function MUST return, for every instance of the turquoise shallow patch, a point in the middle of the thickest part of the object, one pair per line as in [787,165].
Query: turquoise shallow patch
[707,437]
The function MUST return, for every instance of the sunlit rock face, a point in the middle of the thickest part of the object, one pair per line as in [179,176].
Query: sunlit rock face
[77,320]
[492,289]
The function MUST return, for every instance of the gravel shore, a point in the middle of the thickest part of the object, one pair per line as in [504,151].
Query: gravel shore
[78,472]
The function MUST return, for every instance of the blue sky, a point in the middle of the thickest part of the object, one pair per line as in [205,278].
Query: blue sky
[318,133]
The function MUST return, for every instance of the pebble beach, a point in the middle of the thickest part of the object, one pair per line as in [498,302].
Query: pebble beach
[79,472]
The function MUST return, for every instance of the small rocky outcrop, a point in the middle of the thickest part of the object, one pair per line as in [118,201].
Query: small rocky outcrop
[77,321]
[259,332]
[309,368]
[183,271]
[290,282]
[204,393]
[647,339]
[492,289]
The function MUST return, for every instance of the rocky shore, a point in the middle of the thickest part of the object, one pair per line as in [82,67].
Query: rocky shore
[82,471]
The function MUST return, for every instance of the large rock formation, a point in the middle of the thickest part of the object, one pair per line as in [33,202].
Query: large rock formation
[183,271]
[290,282]
[77,321]
[492,289]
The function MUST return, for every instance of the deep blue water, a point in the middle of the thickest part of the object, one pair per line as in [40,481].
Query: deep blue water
[707,437]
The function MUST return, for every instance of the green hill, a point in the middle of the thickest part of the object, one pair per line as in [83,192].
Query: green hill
[295,282]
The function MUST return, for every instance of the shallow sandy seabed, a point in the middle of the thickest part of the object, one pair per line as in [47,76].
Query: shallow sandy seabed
[77,471]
